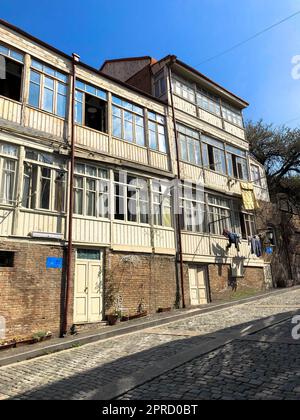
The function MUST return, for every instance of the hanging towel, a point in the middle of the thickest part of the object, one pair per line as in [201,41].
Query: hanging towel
[249,200]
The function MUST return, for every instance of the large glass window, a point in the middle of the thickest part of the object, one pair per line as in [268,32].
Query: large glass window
[219,214]
[11,70]
[208,102]
[8,167]
[91,191]
[162,204]
[131,198]
[44,181]
[184,90]
[157,132]
[189,144]
[128,121]
[213,154]
[91,106]
[232,115]
[237,163]
[192,208]
[48,89]
[255,175]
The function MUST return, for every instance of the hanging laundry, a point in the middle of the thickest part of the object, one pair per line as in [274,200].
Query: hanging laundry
[256,246]
[233,238]
[249,200]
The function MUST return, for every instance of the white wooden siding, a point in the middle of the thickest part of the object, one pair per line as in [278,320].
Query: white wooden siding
[125,234]
[92,139]
[261,193]
[164,239]
[6,224]
[159,160]
[221,182]
[45,122]
[236,131]
[10,110]
[128,151]
[91,231]
[191,172]
[30,221]
[185,106]
[210,118]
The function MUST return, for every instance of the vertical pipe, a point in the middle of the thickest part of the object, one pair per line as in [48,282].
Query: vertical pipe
[70,215]
[179,178]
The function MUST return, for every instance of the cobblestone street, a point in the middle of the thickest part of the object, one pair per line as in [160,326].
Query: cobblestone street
[244,352]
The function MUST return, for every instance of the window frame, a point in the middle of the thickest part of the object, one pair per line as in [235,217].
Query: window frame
[190,137]
[58,78]
[162,199]
[4,158]
[124,107]
[34,199]
[154,118]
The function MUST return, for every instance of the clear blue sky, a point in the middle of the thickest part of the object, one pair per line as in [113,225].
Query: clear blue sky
[194,30]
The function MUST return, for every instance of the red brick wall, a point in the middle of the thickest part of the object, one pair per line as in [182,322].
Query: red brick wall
[224,287]
[141,280]
[30,295]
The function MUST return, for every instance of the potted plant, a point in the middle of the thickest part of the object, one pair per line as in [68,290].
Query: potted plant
[114,318]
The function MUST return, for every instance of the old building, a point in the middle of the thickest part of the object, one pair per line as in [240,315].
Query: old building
[161,169]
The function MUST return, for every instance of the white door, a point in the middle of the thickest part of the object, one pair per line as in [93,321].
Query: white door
[198,281]
[88,290]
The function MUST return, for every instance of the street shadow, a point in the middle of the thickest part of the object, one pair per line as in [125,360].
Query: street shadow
[239,370]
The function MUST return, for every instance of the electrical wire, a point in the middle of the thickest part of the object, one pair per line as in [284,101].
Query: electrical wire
[221,54]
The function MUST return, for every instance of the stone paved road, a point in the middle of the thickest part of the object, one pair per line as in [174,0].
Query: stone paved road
[241,369]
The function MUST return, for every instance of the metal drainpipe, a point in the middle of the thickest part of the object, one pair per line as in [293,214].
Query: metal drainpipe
[76,59]
[179,179]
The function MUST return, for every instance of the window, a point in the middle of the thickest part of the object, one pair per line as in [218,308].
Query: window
[8,166]
[192,208]
[208,102]
[162,207]
[160,85]
[232,115]
[255,175]
[131,198]
[6,259]
[128,121]
[157,132]
[91,191]
[48,89]
[11,74]
[184,90]
[91,107]
[248,225]
[189,144]
[219,214]
[237,163]
[213,155]
[44,182]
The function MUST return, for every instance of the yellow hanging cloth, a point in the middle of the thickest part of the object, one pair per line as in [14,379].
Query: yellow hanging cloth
[249,200]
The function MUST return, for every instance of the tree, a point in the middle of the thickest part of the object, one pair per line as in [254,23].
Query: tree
[278,149]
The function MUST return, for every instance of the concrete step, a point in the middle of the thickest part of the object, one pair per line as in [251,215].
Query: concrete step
[88,326]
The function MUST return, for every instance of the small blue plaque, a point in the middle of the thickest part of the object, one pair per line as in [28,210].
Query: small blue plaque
[56,263]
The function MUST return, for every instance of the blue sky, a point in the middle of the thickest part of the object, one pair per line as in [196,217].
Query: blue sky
[194,30]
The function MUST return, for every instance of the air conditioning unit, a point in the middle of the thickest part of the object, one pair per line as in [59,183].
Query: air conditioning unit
[237,268]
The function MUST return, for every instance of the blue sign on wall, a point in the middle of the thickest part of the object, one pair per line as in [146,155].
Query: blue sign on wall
[269,250]
[53,262]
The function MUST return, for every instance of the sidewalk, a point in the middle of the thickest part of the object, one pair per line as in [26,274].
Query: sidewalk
[59,344]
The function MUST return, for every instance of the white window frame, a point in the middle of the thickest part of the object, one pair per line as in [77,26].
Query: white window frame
[160,125]
[161,201]
[190,138]
[8,153]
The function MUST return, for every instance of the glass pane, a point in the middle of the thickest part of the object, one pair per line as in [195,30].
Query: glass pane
[49,83]
[152,140]
[117,127]
[34,95]
[78,112]
[49,71]
[61,105]
[4,50]
[88,254]
[162,143]
[140,135]
[48,100]
[37,65]
[128,135]
[35,77]
[45,189]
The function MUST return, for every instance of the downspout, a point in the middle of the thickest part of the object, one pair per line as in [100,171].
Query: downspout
[179,180]
[76,59]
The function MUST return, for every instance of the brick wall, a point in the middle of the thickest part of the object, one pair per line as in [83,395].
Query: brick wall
[224,287]
[30,295]
[143,281]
